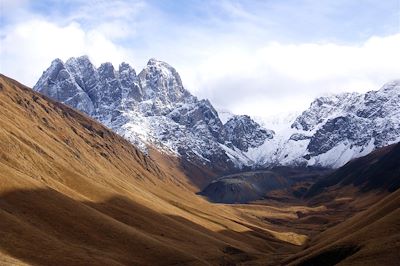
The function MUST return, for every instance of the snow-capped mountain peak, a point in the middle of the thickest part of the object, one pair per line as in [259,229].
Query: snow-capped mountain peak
[153,108]
[350,125]
[161,81]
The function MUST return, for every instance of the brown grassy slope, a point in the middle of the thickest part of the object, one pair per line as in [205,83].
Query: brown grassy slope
[74,193]
[371,237]
[379,170]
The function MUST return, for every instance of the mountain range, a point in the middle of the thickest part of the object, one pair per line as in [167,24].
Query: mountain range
[153,109]
[73,192]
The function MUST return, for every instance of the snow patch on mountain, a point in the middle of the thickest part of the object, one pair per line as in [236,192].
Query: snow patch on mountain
[153,108]
[224,114]
[334,130]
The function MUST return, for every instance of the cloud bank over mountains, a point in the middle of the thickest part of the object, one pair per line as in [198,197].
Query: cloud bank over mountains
[259,58]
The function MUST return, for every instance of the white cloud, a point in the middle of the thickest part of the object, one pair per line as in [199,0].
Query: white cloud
[230,54]
[278,77]
[28,48]
[12,4]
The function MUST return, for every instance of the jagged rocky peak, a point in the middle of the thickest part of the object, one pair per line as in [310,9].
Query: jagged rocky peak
[393,85]
[200,116]
[152,108]
[56,72]
[83,71]
[369,105]
[350,125]
[373,107]
[53,71]
[56,66]
[107,71]
[323,108]
[79,62]
[59,83]
[159,79]
[126,70]
[131,91]
[244,133]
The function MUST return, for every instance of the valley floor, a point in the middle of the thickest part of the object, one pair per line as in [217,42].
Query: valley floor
[74,193]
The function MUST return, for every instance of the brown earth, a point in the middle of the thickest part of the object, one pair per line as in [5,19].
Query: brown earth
[74,193]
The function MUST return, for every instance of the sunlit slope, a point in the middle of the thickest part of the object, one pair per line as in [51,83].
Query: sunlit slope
[74,193]
[371,237]
[379,170]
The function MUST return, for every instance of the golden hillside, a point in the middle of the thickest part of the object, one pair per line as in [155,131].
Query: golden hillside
[74,193]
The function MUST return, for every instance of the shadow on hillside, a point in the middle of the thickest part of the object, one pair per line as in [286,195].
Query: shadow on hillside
[46,227]
[331,256]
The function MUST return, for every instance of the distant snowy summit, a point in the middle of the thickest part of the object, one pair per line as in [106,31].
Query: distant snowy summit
[342,127]
[153,108]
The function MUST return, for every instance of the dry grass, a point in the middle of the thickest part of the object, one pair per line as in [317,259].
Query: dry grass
[74,193]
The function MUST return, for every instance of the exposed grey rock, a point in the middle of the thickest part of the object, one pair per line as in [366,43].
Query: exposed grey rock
[352,123]
[298,136]
[152,108]
[244,133]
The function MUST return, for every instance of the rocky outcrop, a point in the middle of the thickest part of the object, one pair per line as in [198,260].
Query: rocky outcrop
[153,108]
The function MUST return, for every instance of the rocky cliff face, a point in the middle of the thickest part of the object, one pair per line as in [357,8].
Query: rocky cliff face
[244,133]
[351,125]
[335,129]
[153,108]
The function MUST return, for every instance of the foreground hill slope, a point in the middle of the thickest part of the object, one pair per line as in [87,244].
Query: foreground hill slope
[379,170]
[74,193]
[171,118]
[370,237]
[332,131]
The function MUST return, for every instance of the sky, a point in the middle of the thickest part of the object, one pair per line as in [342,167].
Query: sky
[256,57]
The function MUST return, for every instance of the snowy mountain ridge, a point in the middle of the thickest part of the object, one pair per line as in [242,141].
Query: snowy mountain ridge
[153,108]
[335,129]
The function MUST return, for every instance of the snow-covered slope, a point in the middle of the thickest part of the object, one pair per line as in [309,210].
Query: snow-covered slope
[278,150]
[224,114]
[334,130]
[153,108]
[347,126]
